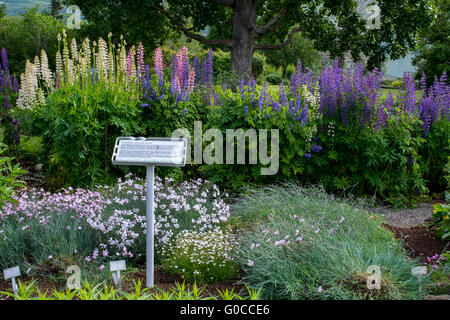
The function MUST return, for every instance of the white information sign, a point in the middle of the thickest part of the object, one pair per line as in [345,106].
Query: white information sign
[149,152]
[145,151]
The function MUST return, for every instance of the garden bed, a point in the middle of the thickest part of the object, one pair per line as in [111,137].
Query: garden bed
[420,242]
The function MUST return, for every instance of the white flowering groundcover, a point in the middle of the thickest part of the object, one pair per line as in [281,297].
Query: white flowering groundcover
[95,226]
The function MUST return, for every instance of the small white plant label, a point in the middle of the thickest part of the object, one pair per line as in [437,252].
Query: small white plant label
[11,273]
[419,271]
[115,267]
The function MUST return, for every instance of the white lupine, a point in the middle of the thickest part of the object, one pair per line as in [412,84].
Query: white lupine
[29,84]
[46,74]
[74,49]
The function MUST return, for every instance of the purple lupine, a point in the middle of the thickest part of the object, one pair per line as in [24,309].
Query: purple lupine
[262,97]
[283,98]
[246,110]
[381,120]
[15,85]
[196,66]
[5,61]
[6,102]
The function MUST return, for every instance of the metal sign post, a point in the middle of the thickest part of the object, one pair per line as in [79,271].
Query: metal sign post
[150,152]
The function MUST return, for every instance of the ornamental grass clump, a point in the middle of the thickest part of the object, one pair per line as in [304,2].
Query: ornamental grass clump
[306,244]
[203,256]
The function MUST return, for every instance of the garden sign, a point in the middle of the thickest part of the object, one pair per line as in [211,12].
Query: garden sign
[150,152]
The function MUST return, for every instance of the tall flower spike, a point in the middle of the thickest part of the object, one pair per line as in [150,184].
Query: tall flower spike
[140,60]
[5,61]
[158,62]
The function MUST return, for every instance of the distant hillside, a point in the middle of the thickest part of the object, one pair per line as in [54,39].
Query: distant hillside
[14,7]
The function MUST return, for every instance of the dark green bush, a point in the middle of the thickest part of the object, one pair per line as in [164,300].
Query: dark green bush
[435,155]
[273,78]
[9,175]
[79,129]
[383,163]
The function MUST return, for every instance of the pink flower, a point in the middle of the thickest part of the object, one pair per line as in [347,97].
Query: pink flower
[250,263]
[101,267]
[158,62]
[319,290]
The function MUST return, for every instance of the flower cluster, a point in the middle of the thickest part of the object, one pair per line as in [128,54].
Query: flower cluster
[118,213]
[100,61]
[204,256]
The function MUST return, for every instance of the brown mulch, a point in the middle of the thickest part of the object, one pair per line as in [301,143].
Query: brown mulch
[419,242]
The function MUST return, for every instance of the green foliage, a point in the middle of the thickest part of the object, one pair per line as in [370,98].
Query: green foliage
[222,63]
[136,20]
[273,78]
[9,175]
[301,48]
[79,128]
[25,36]
[435,155]
[397,84]
[433,48]
[306,244]
[366,161]
[31,147]
[290,70]
[103,291]
[294,140]
[64,239]
[441,216]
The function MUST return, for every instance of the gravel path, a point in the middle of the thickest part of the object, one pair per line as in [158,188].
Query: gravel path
[407,218]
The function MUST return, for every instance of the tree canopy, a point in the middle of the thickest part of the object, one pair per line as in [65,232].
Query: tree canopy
[245,26]
[433,50]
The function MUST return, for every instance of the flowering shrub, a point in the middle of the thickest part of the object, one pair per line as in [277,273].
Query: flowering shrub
[107,222]
[202,256]
[335,128]
[439,271]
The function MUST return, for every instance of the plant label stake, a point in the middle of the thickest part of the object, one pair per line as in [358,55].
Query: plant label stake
[150,152]
[419,272]
[12,273]
[115,267]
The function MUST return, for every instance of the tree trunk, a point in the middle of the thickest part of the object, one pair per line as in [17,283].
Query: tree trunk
[243,38]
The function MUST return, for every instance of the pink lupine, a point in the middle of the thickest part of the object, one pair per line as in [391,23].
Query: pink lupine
[140,59]
[130,63]
[158,62]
